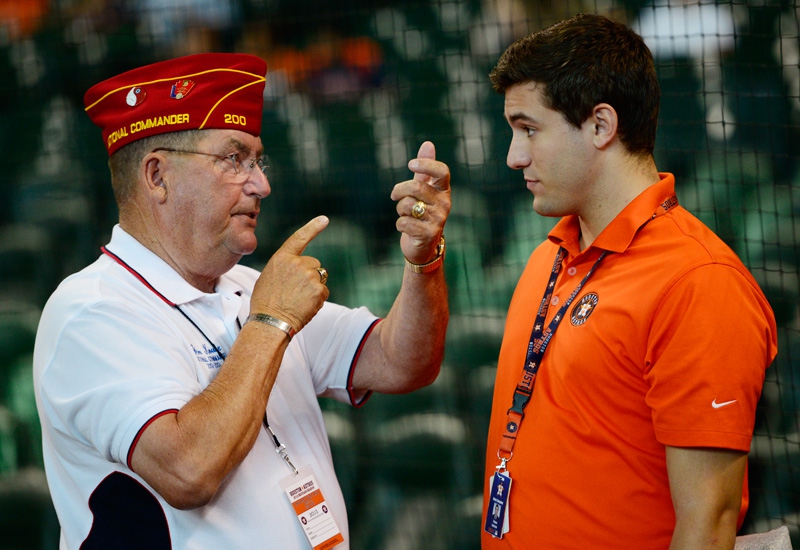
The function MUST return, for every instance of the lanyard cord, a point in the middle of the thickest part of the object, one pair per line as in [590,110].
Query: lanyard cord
[537,345]
[166,300]
[539,340]
[280,448]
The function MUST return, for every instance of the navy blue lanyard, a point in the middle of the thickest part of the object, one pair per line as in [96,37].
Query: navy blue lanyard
[537,345]
[540,338]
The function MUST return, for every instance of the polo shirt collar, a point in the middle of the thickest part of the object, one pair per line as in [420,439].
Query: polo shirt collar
[158,273]
[617,235]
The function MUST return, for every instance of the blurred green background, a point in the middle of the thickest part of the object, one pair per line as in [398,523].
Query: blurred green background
[354,87]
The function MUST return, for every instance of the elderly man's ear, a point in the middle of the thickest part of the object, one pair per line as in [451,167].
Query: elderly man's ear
[153,166]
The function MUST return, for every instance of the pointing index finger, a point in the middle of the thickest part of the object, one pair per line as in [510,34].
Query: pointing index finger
[298,241]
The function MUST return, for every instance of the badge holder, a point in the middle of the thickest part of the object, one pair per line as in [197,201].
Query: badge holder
[305,496]
[497,511]
[313,512]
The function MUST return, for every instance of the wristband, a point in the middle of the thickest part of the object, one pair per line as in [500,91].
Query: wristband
[273,322]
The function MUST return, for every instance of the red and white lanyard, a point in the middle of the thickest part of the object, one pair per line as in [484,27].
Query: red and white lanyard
[280,448]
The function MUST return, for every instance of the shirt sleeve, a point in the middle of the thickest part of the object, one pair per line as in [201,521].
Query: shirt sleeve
[712,338]
[330,344]
[110,370]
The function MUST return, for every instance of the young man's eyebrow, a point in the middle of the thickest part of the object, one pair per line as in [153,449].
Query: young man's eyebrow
[517,117]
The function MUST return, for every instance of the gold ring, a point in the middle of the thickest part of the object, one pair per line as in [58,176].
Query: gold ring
[418,210]
[323,275]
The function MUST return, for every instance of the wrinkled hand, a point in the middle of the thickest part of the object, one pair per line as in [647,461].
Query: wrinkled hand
[289,287]
[431,185]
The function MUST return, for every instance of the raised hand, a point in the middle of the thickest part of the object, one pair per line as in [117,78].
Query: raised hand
[290,287]
[423,204]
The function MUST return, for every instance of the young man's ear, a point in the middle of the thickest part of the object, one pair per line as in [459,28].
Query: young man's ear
[604,120]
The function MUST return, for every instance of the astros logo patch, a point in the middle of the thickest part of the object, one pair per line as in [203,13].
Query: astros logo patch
[584,308]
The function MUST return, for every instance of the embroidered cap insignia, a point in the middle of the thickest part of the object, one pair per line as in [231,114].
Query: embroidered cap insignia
[135,96]
[181,89]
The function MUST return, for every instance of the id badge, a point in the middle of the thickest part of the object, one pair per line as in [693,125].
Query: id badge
[497,512]
[313,512]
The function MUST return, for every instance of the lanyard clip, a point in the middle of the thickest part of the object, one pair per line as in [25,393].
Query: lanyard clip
[280,448]
[520,400]
[503,461]
[502,466]
[285,456]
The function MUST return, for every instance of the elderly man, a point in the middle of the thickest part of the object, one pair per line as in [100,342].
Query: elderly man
[178,390]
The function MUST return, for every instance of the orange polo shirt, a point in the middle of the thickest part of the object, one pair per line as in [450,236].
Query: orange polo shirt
[670,325]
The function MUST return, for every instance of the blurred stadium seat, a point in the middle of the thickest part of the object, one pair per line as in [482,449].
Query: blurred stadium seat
[353,89]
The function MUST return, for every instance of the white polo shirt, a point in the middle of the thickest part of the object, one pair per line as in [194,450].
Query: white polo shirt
[112,353]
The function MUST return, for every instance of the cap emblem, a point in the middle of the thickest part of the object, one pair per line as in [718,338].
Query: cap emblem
[135,96]
[181,89]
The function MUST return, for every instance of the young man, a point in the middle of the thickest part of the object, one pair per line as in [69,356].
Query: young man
[178,390]
[624,406]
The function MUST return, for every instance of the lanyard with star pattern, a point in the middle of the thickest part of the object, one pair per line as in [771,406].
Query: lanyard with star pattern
[540,338]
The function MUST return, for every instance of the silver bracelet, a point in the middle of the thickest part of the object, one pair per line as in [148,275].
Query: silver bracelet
[273,322]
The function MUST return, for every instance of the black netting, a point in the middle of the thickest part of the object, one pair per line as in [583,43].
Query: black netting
[353,88]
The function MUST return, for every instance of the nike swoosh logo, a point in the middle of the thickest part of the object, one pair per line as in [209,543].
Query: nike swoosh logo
[720,405]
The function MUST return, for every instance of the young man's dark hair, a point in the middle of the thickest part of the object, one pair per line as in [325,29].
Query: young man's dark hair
[583,61]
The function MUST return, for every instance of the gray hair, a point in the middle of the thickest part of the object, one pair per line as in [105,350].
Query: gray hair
[124,163]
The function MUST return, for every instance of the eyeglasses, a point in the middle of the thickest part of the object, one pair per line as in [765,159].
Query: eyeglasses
[235,159]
